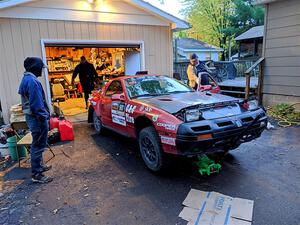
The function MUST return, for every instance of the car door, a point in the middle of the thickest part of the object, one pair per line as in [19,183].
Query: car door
[113,115]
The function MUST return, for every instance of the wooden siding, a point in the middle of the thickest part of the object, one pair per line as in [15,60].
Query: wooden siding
[108,11]
[282,48]
[21,37]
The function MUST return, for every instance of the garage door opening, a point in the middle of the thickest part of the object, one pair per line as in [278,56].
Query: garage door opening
[109,60]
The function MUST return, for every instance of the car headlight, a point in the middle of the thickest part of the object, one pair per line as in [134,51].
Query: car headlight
[192,115]
[253,105]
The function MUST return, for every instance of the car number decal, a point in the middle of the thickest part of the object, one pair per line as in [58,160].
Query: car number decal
[168,140]
[129,118]
[130,108]
[118,113]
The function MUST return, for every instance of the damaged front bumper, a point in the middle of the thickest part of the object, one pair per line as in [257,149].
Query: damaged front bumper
[226,133]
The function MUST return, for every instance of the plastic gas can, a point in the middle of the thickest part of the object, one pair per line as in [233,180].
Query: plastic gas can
[54,123]
[66,130]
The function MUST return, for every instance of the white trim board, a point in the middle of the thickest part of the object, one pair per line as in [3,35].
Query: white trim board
[44,42]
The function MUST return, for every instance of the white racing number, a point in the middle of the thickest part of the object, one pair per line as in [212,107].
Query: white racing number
[118,113]
[130,108]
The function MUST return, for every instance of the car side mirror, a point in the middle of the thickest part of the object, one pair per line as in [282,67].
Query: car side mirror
[118,97]
[206,87]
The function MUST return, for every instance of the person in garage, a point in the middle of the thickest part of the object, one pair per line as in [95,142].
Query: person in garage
[36,113]
[197,72]
[87,77]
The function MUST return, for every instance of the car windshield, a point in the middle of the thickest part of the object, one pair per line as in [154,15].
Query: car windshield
[148,86]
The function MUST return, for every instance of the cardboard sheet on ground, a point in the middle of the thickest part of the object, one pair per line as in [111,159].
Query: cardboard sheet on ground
[212,208]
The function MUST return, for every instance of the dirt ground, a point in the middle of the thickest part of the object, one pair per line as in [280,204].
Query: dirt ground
[105,182]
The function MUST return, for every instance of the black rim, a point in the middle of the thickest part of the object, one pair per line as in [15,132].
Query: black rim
[149,150]
[97,123]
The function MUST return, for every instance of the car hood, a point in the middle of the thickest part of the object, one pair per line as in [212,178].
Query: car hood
[175,102]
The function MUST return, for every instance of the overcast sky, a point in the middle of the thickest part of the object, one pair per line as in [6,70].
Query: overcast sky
[170,6]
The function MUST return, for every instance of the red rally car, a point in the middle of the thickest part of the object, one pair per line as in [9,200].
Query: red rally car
[168,117]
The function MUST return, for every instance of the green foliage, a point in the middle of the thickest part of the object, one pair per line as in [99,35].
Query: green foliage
[216,21]
[285,111]
[245,16]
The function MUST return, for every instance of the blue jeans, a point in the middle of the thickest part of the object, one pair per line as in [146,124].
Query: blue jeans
[39,130]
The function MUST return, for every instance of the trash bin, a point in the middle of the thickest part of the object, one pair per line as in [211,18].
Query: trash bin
[12,146]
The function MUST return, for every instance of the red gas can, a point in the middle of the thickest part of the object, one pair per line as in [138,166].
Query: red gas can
[54,123]
[66,130]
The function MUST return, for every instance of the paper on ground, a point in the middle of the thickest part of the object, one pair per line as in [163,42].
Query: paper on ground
[212,208]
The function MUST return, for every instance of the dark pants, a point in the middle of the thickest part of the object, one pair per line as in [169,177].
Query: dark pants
[86,96]
[39,130]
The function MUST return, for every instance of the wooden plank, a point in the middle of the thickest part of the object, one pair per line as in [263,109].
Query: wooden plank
[283,8]
[76,30]
[284,21]
[126,32]
[35,37]
[99,31]
[11,71]
[92,31]
[26,37]
[159,50]
[61,30]
[4,96]
[52,29]
[114,33]
[280,80]
[17,47]
[106,32]
[283,42]
[281,90]
[26,140]
[165,48]
[44,30]
[84,29]
[283,61]
[283,70]
[282,52]
[259,61]
[283,32]
[69,30]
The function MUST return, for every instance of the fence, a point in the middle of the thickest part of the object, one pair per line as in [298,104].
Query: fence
[221,70]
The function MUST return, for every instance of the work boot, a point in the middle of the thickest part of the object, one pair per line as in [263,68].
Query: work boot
[40,178]
[46,168]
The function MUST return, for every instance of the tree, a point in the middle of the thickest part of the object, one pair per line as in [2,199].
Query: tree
[217,21]
[209,18]
[245,16]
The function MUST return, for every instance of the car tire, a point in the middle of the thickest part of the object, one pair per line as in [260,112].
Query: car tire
[151,150]
[97,124]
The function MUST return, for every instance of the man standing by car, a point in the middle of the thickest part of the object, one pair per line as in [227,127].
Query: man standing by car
[36,113]
[87,77]
[195,69]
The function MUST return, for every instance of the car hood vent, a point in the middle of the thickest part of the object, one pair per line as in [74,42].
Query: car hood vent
[175,102]
[165,99]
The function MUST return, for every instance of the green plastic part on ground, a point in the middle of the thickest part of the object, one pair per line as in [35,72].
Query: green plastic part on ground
[207,166]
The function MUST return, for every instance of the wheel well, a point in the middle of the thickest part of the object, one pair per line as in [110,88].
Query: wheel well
[141,123]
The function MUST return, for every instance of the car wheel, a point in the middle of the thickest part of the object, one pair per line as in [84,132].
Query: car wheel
[151,150]
[97,123]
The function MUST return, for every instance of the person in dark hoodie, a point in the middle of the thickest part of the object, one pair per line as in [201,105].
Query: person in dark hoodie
[36,112]
[87,77]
